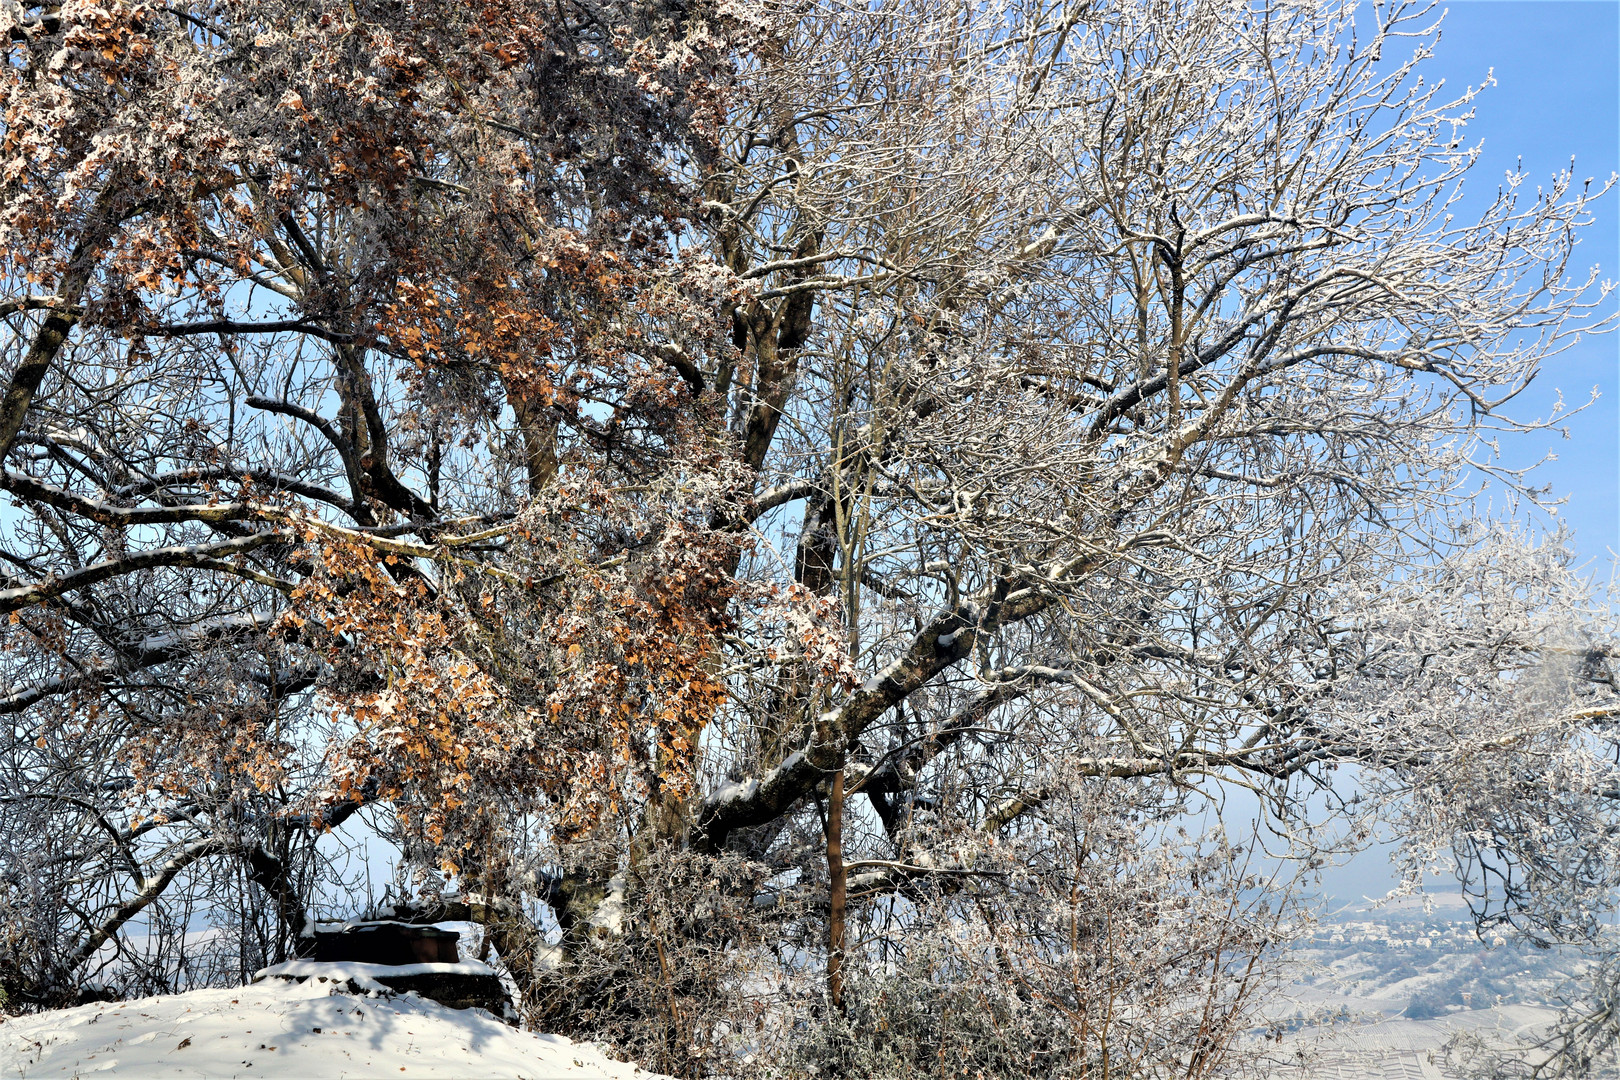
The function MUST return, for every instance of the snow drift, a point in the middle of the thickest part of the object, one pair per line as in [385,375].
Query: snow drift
[285,1029]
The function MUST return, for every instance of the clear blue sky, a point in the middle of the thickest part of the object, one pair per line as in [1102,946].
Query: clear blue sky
[1557,95]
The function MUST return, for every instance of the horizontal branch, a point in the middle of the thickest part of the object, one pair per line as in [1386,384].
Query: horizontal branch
[106,513]
[267,478]
[190,555]
[38,303]
[232,326]
[150,653]
[775,497]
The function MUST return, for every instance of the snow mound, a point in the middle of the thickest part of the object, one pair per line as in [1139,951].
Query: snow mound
[283,1029]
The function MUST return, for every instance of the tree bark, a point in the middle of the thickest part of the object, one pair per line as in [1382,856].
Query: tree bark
[836,891]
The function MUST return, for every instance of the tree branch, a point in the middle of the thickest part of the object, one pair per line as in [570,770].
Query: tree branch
[195,555]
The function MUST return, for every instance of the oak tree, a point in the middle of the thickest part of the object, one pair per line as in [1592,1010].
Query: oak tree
[777,512]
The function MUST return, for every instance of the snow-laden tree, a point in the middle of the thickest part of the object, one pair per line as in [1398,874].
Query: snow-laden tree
[782,512]
[327,327]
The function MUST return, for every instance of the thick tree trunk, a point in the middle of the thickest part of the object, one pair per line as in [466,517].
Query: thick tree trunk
[539,431]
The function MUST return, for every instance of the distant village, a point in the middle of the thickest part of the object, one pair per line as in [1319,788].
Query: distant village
[1379,994]
[1424,966]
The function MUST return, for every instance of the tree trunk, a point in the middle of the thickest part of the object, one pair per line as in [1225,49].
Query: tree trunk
[836,892]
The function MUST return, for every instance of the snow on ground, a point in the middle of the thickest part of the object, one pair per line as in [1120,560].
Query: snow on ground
[1396,1048]
[284,1029]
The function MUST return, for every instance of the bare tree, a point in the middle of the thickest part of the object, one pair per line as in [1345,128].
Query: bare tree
[783,522]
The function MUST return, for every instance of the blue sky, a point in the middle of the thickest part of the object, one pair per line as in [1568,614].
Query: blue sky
[1557,95]
[1557,69]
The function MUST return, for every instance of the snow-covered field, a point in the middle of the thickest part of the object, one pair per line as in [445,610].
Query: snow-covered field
[282,1029]
[1385,988]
